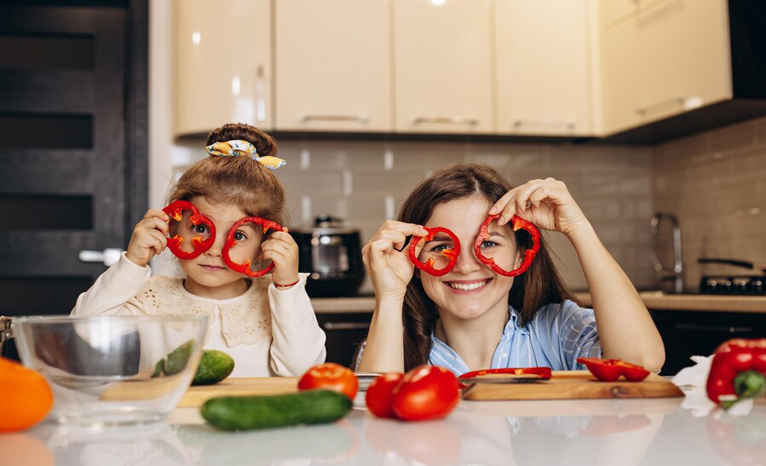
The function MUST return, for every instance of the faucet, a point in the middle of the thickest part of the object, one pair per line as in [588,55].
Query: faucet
[677,272]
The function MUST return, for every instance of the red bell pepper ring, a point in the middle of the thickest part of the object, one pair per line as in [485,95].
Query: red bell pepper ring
[609,370]
[231,242]
[175,211]
[450,253]
[517,223]
[738,371]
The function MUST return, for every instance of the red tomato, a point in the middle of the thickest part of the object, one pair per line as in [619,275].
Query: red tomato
[330,376]
[379,395]
[426,392]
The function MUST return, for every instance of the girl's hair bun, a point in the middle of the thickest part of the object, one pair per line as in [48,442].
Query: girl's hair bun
[264,144]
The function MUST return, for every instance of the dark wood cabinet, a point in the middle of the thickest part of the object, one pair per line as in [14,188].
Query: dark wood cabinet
[344,333]
[690,333]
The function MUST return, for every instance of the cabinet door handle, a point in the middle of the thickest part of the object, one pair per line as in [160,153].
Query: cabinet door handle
[672,102]
[346,326]
[260,92]
[715,328]
[358,118]
[455,120]
[567,124]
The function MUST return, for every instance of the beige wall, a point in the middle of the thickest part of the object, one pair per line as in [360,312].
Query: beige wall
[715,183]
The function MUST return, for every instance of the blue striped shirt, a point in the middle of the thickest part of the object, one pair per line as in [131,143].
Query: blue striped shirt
[557,335]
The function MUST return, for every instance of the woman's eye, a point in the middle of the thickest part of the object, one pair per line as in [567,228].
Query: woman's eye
[200,229]
[441,247]
[488,244]
[239,236]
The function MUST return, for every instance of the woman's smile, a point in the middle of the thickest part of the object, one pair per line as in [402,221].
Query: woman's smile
[467,286]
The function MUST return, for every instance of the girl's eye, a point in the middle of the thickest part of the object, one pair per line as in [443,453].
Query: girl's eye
[200,229]
[488,244]
[239,236]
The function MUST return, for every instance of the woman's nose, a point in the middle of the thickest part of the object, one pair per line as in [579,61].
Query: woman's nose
[467,261]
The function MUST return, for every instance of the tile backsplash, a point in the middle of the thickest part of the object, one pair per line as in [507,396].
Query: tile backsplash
[367,182]
[715,183]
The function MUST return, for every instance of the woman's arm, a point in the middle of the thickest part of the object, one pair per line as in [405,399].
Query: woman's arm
[624,325]
[390,270]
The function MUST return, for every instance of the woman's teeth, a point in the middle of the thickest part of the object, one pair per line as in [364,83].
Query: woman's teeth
[467,286]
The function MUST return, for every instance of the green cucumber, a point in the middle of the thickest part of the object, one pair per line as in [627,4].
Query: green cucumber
[264,412]
[214,366]
[177,359]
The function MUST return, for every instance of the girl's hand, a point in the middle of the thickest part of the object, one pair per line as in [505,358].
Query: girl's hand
[389,265]
[282,249]
[149,237]
[546,203]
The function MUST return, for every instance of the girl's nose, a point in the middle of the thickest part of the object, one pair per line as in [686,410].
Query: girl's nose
[217,247]
[467,262]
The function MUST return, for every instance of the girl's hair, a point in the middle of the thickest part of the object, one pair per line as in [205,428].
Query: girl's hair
[241,180]
[538,286]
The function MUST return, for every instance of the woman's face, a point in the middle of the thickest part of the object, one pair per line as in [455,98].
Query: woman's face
[470,289]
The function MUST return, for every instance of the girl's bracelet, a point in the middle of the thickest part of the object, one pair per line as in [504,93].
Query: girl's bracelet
[287,286]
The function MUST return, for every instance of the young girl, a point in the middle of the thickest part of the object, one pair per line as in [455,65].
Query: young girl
[266,324]
[473,318]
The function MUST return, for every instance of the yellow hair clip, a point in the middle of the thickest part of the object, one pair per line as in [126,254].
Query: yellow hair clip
[238,148]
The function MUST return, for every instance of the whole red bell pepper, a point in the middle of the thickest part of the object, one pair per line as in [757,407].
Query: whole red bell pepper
[175,211]
[609,370]
[517,223]
[738,371]
[231,242]
[450,253]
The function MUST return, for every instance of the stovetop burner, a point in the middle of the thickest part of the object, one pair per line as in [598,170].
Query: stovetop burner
[733,285]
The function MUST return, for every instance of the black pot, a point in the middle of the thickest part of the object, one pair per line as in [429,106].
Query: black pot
[332,256]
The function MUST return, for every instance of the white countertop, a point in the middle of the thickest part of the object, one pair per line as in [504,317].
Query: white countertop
[567,432]
[652,299]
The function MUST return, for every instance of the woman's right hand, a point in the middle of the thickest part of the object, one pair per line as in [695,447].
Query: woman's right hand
[149,237]
[387,264]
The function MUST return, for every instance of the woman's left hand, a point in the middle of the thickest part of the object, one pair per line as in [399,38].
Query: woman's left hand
[282,249]
[546,203]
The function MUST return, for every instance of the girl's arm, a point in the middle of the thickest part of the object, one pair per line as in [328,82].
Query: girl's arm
[298,341]
[114,292]
[625,327]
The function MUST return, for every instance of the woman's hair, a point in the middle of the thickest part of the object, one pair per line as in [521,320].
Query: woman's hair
[538,286]
[241,180]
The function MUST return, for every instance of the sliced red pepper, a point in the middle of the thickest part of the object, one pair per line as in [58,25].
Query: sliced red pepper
[517,223]
[738,371]
[543,372]
[175,211]
[231,242]
[450,253]
[609,370]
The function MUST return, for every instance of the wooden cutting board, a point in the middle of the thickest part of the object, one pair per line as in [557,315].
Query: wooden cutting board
[246,386]
[573,385]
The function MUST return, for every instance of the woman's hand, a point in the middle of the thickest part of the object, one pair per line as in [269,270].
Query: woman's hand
[387,264]
[282,249]
[546,203]
[149,237]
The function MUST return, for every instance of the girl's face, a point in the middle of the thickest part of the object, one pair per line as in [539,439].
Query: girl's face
[207,273]
[470,289]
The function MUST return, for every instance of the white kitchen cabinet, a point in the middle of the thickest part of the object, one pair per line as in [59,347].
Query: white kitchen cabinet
[665,58]
[333,65]
[223,64]
[543,67]
[443,66]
